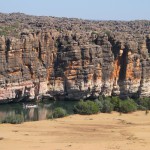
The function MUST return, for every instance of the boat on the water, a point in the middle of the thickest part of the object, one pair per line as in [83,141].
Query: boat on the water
[25,106]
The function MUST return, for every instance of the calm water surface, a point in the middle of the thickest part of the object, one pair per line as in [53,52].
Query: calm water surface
[34,111]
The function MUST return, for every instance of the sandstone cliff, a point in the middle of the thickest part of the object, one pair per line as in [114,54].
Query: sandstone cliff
[72,58]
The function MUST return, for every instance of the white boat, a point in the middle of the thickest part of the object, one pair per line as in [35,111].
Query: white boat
[30,106]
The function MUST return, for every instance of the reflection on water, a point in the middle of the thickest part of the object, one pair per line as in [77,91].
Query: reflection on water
[34,111]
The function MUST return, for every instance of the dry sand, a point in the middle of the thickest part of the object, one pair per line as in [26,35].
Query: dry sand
[96,132]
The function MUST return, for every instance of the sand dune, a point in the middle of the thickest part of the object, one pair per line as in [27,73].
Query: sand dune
[96,132]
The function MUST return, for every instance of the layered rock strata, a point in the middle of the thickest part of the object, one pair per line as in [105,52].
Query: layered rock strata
[67,62]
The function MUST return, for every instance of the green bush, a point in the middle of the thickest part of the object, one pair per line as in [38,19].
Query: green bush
[100,104]
[127,106]
[15,119]
[107,106]
[86,107]
[58,113]
[145,102]
[140,107]
[116,101]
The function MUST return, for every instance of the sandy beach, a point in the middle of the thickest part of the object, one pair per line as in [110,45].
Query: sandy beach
[76,132]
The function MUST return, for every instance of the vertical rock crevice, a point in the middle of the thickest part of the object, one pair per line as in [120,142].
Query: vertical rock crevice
[8,43]
[123,65]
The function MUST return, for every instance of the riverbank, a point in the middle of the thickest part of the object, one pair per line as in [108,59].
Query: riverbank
[102,131]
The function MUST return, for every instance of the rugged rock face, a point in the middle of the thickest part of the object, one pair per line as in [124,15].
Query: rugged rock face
[71,58]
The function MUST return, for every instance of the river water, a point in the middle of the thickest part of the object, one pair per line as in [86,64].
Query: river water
[34,111]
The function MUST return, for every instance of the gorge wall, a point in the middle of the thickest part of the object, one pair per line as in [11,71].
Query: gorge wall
[72,58]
